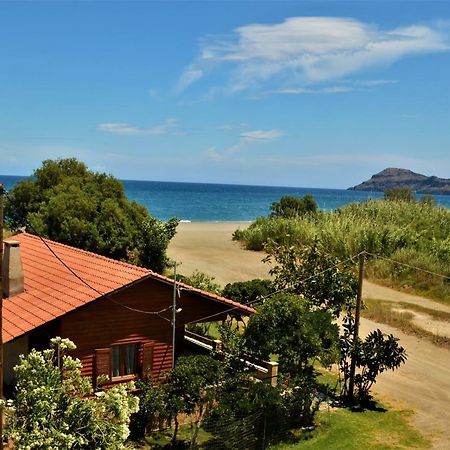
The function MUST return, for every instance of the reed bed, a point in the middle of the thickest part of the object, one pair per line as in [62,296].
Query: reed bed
[415,234]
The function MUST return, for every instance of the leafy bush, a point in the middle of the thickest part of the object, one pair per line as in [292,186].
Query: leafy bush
[248,291]
[373,355]
[400,194]
[54,406]
[285,326]
[201,280]
[289,206]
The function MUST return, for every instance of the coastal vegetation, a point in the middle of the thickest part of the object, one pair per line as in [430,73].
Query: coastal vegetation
[399,237]
[66,202]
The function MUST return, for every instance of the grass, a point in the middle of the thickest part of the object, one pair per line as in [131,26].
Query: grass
[407,232]
[337,429]
[382,311]
[344,429]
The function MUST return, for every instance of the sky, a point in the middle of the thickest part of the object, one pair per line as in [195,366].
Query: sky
[285,93]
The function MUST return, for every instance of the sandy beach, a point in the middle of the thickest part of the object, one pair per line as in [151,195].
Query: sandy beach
[208,247]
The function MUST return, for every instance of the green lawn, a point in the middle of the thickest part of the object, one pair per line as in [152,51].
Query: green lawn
[368,430]
[338,429]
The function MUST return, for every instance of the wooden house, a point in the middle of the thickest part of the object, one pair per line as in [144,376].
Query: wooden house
[119,315]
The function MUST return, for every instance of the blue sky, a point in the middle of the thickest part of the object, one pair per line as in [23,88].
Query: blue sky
[296,93]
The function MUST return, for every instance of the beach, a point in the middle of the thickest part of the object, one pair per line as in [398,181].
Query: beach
[209,248]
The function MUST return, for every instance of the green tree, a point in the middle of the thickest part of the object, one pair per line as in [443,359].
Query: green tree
[373,355]
[201,280]
[289,206]
[284,325]
[54,406]
[428,200]
[191,388]
[400,194]
[248,291]
[323,280]
[66,202]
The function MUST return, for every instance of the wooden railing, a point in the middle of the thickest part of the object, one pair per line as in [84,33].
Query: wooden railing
[262,370]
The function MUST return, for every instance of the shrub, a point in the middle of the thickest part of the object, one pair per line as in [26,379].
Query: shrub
[54,406]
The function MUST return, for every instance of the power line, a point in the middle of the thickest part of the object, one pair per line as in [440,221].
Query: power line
[408,265]
[103,295]
[287,288]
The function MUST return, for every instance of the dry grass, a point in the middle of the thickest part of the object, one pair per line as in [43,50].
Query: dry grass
[384,312]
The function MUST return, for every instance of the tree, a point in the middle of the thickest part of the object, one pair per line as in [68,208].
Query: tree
[428,200]
[54,406]
[323,280]
[284,325]
[201,280]
[289,206]
[66,202]
[376,354]
[247,292]
[400,194]
[191,389]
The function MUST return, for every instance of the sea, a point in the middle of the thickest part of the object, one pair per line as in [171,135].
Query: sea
[205,202]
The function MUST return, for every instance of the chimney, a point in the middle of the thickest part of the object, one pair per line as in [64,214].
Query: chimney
[12,273]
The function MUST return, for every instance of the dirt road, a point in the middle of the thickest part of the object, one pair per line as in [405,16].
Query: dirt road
[422,384]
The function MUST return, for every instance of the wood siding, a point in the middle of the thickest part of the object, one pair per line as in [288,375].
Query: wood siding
[103,323]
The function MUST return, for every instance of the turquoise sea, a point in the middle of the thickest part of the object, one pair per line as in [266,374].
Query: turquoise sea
[200,202]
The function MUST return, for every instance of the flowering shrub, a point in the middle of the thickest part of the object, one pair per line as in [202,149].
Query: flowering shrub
[55,406]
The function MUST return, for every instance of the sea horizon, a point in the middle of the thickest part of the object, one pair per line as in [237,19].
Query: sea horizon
[223,202]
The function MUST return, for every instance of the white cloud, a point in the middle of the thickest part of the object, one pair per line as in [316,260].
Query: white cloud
[372,83]
[309,50]
[261,135]
[303,90]
[169,126]
[189,76]
[246,139]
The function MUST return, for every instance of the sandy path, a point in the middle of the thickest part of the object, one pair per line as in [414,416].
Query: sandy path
[422,384]
[371,290]
[208,247]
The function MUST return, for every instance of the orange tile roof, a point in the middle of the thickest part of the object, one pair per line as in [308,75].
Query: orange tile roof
[51,290]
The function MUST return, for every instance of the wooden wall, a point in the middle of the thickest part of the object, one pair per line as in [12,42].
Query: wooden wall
[103,322]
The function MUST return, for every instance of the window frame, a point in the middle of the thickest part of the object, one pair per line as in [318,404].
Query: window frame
[122,362]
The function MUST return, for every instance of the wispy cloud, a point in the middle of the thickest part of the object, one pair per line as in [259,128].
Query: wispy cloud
[261,135]
[169,126]
[309,50]
[246,140]
[372,83]
[310,91]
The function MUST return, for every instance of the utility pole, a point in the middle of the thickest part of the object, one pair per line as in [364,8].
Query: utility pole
[174,313]
[1,314]
[351,383]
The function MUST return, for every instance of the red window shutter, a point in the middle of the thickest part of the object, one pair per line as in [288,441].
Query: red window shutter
[147,359]
[103,362]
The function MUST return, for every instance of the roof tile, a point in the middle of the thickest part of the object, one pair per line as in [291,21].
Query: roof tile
[51,290]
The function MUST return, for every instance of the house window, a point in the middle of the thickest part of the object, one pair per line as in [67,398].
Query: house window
[125,360]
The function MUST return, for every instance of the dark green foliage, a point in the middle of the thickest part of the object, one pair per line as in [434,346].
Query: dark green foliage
[191,388]
[201,280]
[248,291]
[152,409]
[374,355]
[323,280]
[428,200]
[66,202]
[400,194]
[284,325]
[289,206]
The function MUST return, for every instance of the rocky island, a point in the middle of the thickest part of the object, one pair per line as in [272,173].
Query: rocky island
[392,178]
